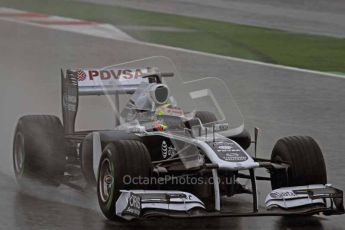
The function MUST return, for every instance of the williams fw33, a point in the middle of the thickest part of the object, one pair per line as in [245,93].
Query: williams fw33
[174,149]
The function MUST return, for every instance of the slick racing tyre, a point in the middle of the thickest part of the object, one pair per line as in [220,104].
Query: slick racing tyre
[243,139]
[39,150]
[121,161]
[305,160]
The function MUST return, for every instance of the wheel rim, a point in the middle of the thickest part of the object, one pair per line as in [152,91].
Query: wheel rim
[106,181]
[19,154]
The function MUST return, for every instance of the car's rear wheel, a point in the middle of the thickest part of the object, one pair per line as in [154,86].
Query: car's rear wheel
[121,161]
[205,116]
[305,160]
[39,150]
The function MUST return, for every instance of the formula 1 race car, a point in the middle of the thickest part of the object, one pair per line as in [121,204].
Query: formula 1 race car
[174,148]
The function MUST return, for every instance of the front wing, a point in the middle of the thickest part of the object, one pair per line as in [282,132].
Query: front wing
[291,201]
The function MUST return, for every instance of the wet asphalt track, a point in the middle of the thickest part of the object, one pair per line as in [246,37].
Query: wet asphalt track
[281,102]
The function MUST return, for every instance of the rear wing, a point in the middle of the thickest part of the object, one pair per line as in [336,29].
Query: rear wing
[108,81]
[81,82]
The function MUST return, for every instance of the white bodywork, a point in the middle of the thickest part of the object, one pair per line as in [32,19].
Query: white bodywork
[232,166]
[135,201]
[249,163]
[200,142]
[287,198]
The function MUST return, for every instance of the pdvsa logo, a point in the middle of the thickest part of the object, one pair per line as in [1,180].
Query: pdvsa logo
[116,74]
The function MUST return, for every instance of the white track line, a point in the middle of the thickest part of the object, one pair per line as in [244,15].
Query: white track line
[241,60]
[111,32]
[66,24]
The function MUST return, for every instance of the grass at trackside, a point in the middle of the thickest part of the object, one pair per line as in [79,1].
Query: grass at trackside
[267,45]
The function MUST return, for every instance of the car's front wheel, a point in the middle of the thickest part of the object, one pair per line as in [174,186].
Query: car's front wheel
[122,164]
[305,160]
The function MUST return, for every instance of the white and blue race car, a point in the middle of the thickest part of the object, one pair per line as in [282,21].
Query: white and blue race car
[176,149]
